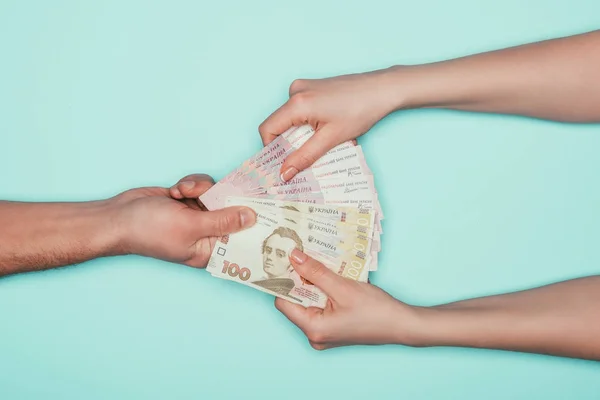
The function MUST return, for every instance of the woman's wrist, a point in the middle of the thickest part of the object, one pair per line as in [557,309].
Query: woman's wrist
[433,326]
[430,85]
[413,326]
[405,87]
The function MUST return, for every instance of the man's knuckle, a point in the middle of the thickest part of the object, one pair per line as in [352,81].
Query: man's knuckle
[224,224]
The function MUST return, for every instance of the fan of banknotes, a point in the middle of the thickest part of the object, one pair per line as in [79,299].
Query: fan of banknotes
[329,211]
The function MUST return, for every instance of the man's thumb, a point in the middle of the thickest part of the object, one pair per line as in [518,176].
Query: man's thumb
[225,221]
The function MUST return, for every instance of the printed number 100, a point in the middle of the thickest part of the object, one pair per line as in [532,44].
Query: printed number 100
[234,270]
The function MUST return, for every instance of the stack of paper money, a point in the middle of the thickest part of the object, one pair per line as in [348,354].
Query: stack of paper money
[329,211]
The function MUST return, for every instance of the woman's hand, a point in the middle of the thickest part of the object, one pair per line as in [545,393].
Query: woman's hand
[356,312]
[341,108]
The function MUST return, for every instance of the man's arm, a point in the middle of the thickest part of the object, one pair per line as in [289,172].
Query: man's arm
[163,223]
[37,236]
[556,79]
[560,319]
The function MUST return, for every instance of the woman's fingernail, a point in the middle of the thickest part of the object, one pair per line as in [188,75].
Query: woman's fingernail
[289,174]
[248,217]
[188,184]
[298,256]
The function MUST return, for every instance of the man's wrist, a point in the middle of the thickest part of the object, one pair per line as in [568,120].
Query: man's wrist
[40,236]
[107,230]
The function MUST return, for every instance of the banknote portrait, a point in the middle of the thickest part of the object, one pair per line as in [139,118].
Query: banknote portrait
[325,212]
[276,250]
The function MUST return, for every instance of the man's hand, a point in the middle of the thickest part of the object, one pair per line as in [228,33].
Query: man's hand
[356,312]
[152,221]
[168,224]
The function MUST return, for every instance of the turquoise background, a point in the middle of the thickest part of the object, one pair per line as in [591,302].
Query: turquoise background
[99,97]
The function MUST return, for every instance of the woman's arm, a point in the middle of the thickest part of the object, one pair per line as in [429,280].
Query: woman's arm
[561,319]
[555,79]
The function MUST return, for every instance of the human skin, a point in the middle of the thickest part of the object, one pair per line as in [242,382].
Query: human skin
[557,79]
[157,222]
[561,319]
